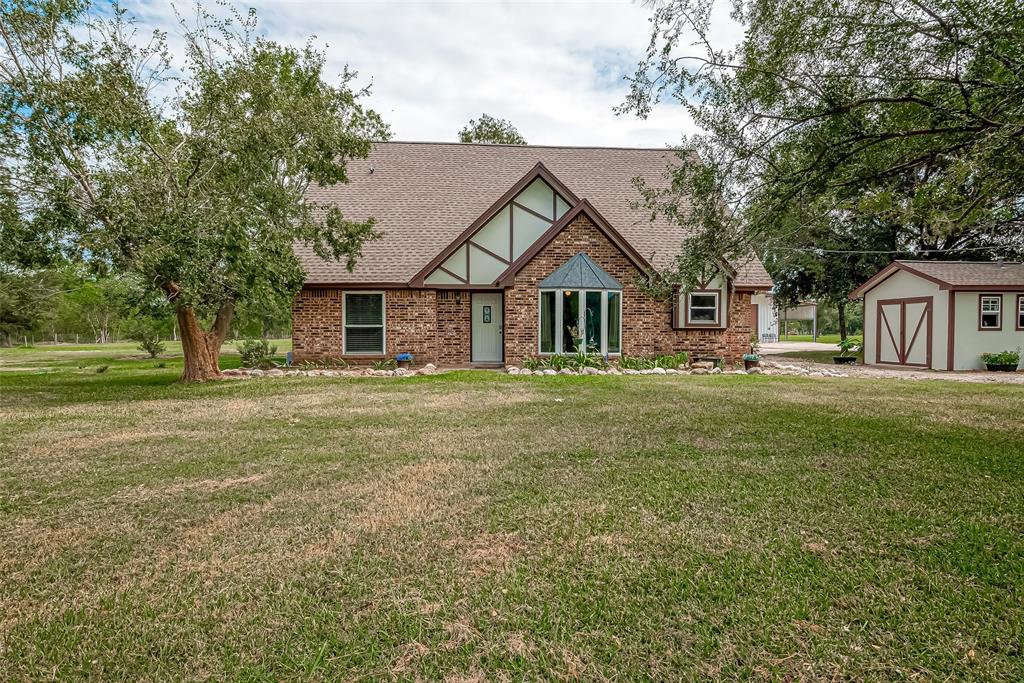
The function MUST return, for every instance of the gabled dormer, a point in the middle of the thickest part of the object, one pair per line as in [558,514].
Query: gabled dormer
[501,234]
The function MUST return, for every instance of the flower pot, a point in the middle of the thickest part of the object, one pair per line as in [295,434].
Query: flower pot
[844,360]
[747,364]
[1001,367]
[404,364]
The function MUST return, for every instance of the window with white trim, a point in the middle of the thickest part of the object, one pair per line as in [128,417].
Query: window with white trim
[1020,311]
[363,314]
[990,313]
[702,308]
[574,319]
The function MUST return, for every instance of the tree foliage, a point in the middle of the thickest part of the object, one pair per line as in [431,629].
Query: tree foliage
[186,175]
[491,130]
[890,127]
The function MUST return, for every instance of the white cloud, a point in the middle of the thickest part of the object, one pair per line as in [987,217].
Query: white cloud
[554,69]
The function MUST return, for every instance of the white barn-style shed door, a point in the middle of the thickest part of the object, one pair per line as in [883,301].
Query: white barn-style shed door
[903,332]
[486,329]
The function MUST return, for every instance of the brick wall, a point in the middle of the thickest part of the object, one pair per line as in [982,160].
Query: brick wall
[316,324]
[431,325]
[646,322]
[434,325]
[453,320]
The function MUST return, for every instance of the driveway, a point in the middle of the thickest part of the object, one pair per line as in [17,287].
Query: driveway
[773,348]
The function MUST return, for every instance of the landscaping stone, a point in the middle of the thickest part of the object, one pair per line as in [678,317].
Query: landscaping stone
[590,371]
[549,372]
[716,371]
[428,369]
[700,371]
[275,373]
[255,372]
[658,371]
[566,371]
[512,370]
[755,371]
[526,372]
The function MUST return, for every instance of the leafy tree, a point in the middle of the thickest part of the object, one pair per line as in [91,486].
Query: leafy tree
[26,302]
[843,122]
[189,179]
[491,130]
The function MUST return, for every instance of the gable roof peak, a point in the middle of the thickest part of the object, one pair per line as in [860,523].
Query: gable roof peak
[580,272]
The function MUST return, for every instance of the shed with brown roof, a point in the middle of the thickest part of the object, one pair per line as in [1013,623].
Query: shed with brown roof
[942,315]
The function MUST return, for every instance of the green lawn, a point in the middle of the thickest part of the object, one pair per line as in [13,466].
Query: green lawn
[479,526]
[822,338]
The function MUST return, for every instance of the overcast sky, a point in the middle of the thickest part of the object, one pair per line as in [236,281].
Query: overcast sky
[554,69]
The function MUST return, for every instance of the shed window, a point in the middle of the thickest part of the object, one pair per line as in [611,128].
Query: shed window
[991,313]
[364,323]
[702,308]
[1020,311]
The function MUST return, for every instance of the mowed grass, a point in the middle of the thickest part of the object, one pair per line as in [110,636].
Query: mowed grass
[822,338]
[52,357]
[475,526]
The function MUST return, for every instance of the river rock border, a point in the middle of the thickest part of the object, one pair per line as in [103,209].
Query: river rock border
[244,373]
[766,368]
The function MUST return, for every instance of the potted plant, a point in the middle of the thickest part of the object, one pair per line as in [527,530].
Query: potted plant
[752,359]
[1004,361]
[848,349]
[404,360]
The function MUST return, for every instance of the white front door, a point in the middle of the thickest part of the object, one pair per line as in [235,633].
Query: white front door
[487,328]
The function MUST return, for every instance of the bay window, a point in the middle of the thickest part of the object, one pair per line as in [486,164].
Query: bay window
[580,319]
[363,314]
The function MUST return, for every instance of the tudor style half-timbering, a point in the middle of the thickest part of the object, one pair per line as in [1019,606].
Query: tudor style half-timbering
[491,254]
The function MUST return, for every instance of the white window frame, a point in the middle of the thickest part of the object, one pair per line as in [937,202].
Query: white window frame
[717,322]
[1020,311]
[383,323]
[983,298]
[581,319]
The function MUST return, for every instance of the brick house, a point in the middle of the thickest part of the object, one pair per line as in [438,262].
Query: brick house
[490,254]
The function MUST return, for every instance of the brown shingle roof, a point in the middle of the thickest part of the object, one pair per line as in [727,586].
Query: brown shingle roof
[974,275]
[970,273]
[424,195]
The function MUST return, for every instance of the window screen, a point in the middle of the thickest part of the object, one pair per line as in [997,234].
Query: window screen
[364,323]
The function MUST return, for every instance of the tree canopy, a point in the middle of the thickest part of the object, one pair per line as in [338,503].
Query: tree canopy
[843,130]
[185,172]
[491,130]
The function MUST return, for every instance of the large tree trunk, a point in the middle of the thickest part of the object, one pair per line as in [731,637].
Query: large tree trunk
[201,348]
[842,319]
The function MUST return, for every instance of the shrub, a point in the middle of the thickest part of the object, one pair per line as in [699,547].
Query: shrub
[387,364]
[849,346]
[1001,358]
[149,341]
[325,364]
[257,353]
[672,360]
